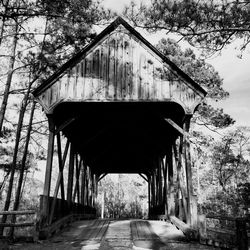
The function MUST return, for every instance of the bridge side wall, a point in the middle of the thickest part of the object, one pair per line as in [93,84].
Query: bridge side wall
[170,183]
[79,196]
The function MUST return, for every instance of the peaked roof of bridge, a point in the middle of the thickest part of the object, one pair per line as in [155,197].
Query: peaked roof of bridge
[79,56]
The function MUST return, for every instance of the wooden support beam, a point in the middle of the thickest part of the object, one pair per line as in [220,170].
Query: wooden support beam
[149,196]
[180,182]
[87,186]
[59,181]
[153,189]
[192,211]
[170,181]
[60,175]
[77,176]
[144,177]
[94,190]
[64,125]
[60,165]
[101,177]
[159,170]
[47,181]
[83,184]
[70,174]
[177,128]
[189,232]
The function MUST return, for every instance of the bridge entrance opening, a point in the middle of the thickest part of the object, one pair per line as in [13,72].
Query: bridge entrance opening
[122,196]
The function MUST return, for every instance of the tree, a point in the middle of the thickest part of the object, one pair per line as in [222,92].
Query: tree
[209,25]
[205,75]
[66,28]
[224,174]
[125,195]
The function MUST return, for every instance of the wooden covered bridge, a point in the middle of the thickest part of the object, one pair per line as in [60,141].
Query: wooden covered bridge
[123,107]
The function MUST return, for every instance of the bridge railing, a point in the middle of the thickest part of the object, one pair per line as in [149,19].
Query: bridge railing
[61,213]
[25,218]
[224,231]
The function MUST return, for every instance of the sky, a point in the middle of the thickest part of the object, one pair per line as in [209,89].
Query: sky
[234,71]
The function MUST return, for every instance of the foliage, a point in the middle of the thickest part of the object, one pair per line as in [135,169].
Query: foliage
[125,196]
[224,173]
[206,76]
[209,25]
[36,37]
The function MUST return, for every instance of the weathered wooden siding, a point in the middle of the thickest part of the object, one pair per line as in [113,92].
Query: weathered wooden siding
[119,68]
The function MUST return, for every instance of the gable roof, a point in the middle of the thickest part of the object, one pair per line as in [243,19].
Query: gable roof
[79,56]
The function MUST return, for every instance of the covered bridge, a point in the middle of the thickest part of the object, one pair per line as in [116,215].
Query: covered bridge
[123,108]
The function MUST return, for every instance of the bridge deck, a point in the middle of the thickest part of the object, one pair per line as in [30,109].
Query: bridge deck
[116,234]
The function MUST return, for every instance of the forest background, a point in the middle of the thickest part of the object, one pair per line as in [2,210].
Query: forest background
[38,36]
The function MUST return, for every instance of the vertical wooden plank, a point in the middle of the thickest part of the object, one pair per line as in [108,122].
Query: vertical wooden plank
[140,91]
[50,152]
[170,181]
[87,80]
[78,84]
[101,80]
[78,182]
[164,164]
[188,167]
[143,77]
[120,67]
[124,56]
[180,182]
[162,185]
[134,70]
[116,47]
[128,66]
[59,181]
[87,186]
[150,77]
[95,75]
[147,79]
[149,196]
[76,177]
[106,65]
[153,189]
[93,190]
[75,81]
[83,184]
[83,75]
[160,182]
[48,173]
[70,174]
[111,71]
[60,164]
[72,82]
[91,77]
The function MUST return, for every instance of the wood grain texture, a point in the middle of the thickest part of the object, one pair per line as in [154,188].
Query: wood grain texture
[119,68]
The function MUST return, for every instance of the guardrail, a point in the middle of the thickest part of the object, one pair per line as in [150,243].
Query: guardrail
[223,231]
[213,230]
[20,224]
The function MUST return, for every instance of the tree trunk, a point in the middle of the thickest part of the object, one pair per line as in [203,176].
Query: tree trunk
[9,77]
[5,178]
[13,167]
[20,181]
[3,22]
